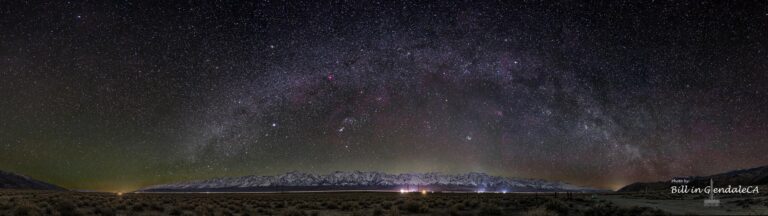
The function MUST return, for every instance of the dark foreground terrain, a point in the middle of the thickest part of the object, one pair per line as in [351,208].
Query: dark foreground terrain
[692,204]
[39,202]
[16,202]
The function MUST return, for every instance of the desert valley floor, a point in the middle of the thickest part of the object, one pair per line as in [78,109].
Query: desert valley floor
[30,202]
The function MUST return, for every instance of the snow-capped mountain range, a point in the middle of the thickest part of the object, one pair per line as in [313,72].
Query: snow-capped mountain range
[357,180]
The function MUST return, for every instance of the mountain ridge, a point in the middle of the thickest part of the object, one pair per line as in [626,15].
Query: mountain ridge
[364,180]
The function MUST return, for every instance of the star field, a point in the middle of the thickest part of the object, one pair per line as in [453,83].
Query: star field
[121,94]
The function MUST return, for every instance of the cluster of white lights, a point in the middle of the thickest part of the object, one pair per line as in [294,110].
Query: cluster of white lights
[483,191]
[403,191]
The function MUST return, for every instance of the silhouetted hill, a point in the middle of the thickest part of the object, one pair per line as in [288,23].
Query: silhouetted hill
[10,180]
[753,176]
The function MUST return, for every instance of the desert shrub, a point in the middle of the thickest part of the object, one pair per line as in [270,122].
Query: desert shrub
[557,206]
[137,208]
[454,211]
[175,211]
[745,203]
[610,209]
[262,204]
[265,211]
[188,207]
[470,204]
[156,207]
[104,211]
[66,208]
[540,211]
[458,206]
[304,205]
[83,203]
[423,208]
[331,205]
[293,212]
[26,209]
[349,206]
[4,205]
[399,202]
[186,213]
[386,204]
[201,210]
[642,211]
[43,204]
[490,210]
[600,209]
[224,212]
[415,207]
[233,207]
[377,211]
[438,203]
[47,210]
[395,211]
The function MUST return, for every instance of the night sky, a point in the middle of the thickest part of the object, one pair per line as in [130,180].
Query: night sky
[115,95]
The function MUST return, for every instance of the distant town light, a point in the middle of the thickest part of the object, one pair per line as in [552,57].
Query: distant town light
[424,192]
[402,191]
